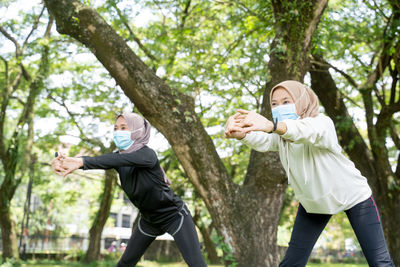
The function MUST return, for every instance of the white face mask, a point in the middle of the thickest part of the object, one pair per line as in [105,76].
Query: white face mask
[122,139]
[284,112]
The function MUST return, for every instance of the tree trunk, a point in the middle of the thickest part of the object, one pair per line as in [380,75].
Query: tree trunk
[206,232]
[7,191]
[252,242]
[8,235]
[390,222]
[94,250]
[209,245]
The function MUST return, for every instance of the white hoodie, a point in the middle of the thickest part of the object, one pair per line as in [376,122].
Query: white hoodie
[323,179]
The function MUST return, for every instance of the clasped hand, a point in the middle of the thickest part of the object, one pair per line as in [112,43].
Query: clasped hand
[63,165]
[245,121]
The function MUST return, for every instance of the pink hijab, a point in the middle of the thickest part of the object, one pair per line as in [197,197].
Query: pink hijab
[140,134]
[306,101]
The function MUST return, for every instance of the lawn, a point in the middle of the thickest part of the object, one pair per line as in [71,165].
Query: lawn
[336,265]
[153,264]
[102,264]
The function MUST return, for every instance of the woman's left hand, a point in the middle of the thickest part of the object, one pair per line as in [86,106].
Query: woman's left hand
[69,165]
[252,121]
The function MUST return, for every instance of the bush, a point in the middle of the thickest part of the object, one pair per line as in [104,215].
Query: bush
[12,262]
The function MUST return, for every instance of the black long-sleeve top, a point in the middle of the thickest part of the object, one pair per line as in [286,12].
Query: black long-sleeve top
[143,182]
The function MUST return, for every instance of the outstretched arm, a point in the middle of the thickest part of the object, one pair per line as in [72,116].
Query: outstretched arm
[251,121]
[316,131]
[144,157]
[251,128]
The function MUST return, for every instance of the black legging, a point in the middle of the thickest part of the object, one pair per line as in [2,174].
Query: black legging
[366,223]
[184,234]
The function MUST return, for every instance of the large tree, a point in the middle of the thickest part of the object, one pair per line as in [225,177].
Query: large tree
[173,113]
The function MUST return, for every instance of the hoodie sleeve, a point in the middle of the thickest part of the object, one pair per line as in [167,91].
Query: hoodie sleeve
[144,157]
[316,131]
[261,141]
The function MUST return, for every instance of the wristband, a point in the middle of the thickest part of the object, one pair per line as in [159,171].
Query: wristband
[275,125]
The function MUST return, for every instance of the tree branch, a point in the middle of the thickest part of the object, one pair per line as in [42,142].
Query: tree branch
[12,39]
[344,74]
[366,90]
[235,43]
[132,34]
[357,58]
[248,10]
[4,103]
[397,172]
[181,26]
[18,99]
[349,137]
[387,111]
[36,85]
[376,7]
[384,119]
[315,18]
[5,72]
[72,116]
[394,134]
[395,79]
[18,52]
[6,94]
[34,27]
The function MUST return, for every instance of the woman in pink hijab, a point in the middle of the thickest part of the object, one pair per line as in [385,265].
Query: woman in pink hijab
[146,185]
[324,181]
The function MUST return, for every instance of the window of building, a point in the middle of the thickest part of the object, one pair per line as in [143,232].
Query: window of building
[126,221]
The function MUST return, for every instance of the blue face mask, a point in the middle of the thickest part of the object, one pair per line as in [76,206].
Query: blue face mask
[122,139]
[284,112]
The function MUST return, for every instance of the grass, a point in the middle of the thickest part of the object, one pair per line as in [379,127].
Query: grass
[336,265]
[46,263]
[154,264]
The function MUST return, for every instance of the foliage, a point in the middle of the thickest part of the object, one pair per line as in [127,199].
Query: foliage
[10,262]
[229,258]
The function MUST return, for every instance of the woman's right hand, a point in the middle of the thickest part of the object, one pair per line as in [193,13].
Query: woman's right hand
[232,128]
[56,164]
[70,164]
[63,165]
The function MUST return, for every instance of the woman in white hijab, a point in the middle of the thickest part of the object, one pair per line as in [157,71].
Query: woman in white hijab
[323,179]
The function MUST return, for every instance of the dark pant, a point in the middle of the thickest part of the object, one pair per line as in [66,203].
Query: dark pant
[363,217]
[183,231]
